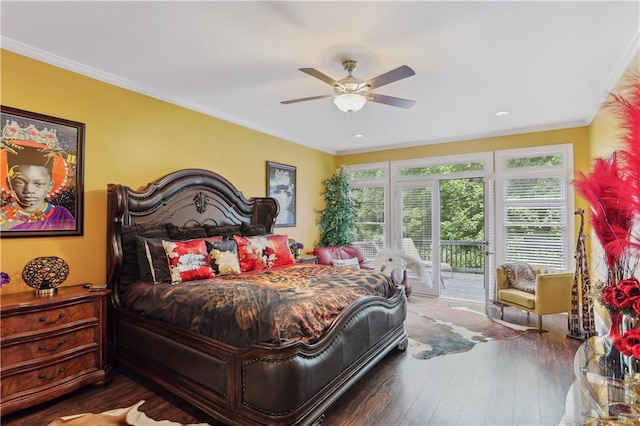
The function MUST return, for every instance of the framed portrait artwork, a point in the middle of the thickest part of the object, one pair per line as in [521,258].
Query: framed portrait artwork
[281,185]
[41,175]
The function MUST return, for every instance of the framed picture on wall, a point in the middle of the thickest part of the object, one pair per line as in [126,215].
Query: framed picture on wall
[41,175]
[281,185]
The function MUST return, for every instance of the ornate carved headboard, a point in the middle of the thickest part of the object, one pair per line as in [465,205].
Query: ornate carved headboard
[185,198]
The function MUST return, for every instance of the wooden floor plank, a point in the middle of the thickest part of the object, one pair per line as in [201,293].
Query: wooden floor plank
[502,400]
[476,403]
[527,393]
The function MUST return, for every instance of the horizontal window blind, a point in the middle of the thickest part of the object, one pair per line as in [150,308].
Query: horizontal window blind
[534,212]
[368,191]
[416,218]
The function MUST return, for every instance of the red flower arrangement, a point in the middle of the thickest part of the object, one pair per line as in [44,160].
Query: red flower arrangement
[623,297]
[629,343]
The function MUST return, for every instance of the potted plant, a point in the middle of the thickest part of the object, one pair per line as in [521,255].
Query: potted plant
[336,222]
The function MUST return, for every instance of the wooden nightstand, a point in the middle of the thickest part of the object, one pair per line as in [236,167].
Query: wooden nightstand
[307,259]
[51,345]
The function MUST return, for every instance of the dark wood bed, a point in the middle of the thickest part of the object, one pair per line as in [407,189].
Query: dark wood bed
[287,383]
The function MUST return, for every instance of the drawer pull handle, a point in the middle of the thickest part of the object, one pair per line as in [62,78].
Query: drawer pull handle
[60,371]
[43,319]
[52,348]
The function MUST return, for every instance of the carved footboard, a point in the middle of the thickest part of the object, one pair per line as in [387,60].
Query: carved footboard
[266,384]
[298,383]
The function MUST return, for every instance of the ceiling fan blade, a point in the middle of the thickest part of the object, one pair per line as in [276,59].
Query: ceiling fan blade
[390,100]
[389,77]
[317,74]
[312,98]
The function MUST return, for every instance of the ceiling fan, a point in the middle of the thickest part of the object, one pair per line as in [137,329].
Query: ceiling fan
[351,93]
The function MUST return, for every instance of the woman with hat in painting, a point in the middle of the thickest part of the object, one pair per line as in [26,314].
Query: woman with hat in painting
[34,172]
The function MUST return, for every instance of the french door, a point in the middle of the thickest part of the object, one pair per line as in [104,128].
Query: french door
[416,228]
[439,213]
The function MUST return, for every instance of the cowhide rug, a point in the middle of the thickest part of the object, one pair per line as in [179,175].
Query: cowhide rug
[118,417]
[437,327]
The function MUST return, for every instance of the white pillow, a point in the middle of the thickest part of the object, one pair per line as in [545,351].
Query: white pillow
[346,263]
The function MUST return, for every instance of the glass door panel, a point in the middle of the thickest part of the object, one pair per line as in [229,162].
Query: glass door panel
[370,219]
[462,238]
[416,239]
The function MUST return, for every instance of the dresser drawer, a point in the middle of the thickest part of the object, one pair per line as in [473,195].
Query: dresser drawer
[30,350]
[47,319]
[40,378]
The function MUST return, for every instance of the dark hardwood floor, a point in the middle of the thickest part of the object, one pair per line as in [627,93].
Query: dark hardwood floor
[523,381]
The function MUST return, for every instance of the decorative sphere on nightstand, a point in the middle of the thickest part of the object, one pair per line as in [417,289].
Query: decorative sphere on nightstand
[46,273]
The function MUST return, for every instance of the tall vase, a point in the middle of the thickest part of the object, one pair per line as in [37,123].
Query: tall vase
[615,326]
[614,365]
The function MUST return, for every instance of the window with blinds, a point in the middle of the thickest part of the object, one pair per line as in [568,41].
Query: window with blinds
[535,211]
[535,203]
[417,226]
[369,193]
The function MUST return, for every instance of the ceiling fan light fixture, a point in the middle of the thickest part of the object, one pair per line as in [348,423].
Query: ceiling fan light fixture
[350,102]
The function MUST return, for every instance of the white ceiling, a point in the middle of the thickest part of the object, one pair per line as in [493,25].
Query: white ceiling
[551,64]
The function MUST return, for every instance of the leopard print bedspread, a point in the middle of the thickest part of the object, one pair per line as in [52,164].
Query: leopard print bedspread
[298,302]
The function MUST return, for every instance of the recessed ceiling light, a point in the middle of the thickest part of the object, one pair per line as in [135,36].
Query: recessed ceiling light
[358,135]
[501,113]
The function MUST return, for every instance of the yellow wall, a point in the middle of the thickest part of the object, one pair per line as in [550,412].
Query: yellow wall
[134,139]
[577,136]
[604,131]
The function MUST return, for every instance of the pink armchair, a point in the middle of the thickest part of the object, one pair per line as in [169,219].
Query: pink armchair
[327,254]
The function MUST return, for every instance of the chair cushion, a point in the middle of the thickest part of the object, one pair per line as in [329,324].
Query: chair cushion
[517,297]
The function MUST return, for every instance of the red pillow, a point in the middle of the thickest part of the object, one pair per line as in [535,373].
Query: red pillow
[281,250]
[252,253]
[262,252]
[188,260]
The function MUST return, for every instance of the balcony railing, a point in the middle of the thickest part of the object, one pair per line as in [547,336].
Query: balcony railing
[463,256]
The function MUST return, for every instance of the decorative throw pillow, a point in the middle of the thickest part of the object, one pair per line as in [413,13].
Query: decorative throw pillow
[346,263]
[131,266]
[521,276]
[225,231]
[253,253]
[152,260]
[252,230]
[224,257]
[216,239]
[280,249]
[182,234]
[188,260]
